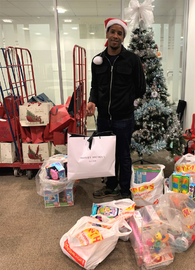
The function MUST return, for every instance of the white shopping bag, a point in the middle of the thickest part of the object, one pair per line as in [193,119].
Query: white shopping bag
[90,241]
[185,164]
[148,192]
[91,157]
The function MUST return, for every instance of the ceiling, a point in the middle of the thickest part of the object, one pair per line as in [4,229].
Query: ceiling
[78,9]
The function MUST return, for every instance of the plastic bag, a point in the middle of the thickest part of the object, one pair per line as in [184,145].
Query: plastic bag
[186,163]
[90,241]
[148,192]
[177,211]
[110,212]
[44,184]
[149,239]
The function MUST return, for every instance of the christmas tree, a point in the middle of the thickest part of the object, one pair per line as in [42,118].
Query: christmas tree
[156,123]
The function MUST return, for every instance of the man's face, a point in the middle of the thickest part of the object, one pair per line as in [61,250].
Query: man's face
[115,36]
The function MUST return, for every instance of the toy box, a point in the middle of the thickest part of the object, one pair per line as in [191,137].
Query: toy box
[192,190]
[64,198]
[55,171]
[180,182]
[145,173]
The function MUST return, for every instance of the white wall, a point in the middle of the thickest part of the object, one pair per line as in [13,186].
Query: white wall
[190,67]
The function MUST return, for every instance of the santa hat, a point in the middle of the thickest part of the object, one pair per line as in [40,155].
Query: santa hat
[110,21]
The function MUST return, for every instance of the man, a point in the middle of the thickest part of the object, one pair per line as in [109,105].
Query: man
[117,80]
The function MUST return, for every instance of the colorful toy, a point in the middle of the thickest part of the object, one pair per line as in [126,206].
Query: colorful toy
[55,170]
[192,190]
[158,241]
[180,182]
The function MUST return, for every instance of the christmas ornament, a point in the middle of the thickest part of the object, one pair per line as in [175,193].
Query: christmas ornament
[98,60]
[154,94]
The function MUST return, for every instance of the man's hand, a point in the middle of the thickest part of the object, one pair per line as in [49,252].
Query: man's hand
[90,110]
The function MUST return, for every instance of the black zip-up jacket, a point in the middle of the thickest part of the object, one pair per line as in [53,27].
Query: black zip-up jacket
[114,88]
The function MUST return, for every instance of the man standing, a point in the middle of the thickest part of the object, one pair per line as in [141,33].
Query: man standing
[117,80]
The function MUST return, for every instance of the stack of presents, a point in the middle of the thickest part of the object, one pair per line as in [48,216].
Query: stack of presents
[42,128]
[159,220]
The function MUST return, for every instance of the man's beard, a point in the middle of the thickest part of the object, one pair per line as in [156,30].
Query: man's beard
[114,48]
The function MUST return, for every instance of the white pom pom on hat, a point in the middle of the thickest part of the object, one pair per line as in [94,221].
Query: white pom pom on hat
[97,60]
[110,21]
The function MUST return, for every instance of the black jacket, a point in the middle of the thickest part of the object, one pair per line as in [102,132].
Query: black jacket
[114,88]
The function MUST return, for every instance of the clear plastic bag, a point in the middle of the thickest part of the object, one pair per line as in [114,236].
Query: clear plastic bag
[177,211]
[149,239]
[44,184]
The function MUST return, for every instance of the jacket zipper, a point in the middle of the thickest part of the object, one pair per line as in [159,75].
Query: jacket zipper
[111,78]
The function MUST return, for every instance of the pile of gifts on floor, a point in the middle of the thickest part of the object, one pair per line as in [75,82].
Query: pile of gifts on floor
[156,232]
[158,225]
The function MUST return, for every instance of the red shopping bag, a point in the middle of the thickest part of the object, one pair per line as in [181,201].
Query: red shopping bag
[60,138]
[68,102]
[47,136]
[25,134]
[12,105]
[37,134]
[5,131]
[59,118]
[2,110]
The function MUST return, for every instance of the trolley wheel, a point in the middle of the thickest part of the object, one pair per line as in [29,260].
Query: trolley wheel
[17,172]
[29,174]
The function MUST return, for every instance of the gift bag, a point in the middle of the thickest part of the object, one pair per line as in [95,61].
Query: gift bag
[60,138]
[148,192]
[90,241]
[12,104]
[48,136]
[25,134]
[91,157]
[34,114]
[59,118]
[37,134]
[2,109]
[5,131]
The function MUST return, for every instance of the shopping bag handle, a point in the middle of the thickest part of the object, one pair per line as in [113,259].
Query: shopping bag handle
[95,134]
[55,111]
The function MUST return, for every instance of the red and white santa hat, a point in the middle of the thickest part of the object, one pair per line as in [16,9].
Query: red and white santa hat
[110,21]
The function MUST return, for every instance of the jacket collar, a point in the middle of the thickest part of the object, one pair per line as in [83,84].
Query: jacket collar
[123,50]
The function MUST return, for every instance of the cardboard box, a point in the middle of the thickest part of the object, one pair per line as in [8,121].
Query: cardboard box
[35,153]
[145,173]
[64,198]
[7,152]
[34,114]
[59,171]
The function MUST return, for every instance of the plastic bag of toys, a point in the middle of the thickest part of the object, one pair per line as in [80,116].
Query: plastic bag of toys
[52,175]
[147,191]
[113,211]
[90,241]
[149,239]
[186,164]
[177,211]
